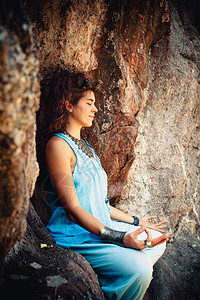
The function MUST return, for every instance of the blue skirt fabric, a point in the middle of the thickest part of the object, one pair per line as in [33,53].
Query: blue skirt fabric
[123,273]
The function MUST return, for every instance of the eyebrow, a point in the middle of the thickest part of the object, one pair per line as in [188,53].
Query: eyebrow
[90,100]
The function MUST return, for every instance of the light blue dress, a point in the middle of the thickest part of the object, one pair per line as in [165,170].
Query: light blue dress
[123,273]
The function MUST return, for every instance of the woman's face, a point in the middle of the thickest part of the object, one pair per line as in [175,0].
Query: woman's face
[84,111]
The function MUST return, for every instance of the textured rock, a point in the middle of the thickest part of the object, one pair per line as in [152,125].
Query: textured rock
[32,272]
[165,175]
[176,275]
[146,55]
[69,32]
[19,99]
[109,40]
[165,172]
[164,179]
[28,272]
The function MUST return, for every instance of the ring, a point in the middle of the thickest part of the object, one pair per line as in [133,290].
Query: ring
[147,244]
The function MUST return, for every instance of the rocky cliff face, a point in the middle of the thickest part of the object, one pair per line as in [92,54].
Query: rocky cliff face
[110,41]
[146,55]
[164,178]
[165,174]
[19,99]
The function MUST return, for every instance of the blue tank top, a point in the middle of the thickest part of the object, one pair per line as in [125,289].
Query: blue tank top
[90,181]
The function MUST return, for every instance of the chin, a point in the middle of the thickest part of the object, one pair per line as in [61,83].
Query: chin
[89,124]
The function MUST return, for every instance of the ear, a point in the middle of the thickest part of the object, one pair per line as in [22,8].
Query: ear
[68,106]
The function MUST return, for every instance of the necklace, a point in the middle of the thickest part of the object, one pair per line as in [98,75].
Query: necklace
[81,144]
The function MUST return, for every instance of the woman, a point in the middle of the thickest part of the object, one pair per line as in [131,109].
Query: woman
[121,248]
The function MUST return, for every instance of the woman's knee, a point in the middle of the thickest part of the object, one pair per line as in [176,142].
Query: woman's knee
[130,263]
[143,267]
[145,272]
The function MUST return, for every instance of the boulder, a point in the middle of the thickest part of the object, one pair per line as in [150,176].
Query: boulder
[19,100]
[36,268]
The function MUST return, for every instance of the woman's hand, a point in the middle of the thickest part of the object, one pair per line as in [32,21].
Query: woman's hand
[131,240]
[155,225]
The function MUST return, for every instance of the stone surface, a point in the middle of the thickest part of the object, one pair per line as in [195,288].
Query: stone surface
[165,174]
[110,41]
[69,32]
[146,57]
[19,99]
[177,273]
[32,272]
[164,178]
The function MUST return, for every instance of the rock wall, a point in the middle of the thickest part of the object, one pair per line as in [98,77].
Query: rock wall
[28,271]
[164,178]
[36,268]
[110,42]
[165,175]
[19,99]
[146,56]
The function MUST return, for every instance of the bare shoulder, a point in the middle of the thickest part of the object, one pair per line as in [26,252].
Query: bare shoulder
[58,152]
[56,144]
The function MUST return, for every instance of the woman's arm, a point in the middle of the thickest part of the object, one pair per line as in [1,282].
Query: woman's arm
[121,216]
[59,161]
[59,158]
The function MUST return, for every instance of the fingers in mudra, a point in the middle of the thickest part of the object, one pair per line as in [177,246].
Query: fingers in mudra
[149,235]
[159,240]
[159,226]
[131,240]
[153,218]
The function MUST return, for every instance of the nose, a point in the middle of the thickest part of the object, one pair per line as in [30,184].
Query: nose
[94,108]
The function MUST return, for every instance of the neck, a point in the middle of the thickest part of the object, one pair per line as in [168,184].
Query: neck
[74,131]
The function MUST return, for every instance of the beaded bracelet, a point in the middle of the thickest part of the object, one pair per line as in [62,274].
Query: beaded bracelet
[136,221]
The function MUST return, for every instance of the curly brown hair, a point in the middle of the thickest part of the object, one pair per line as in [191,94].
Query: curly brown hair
[56,88]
